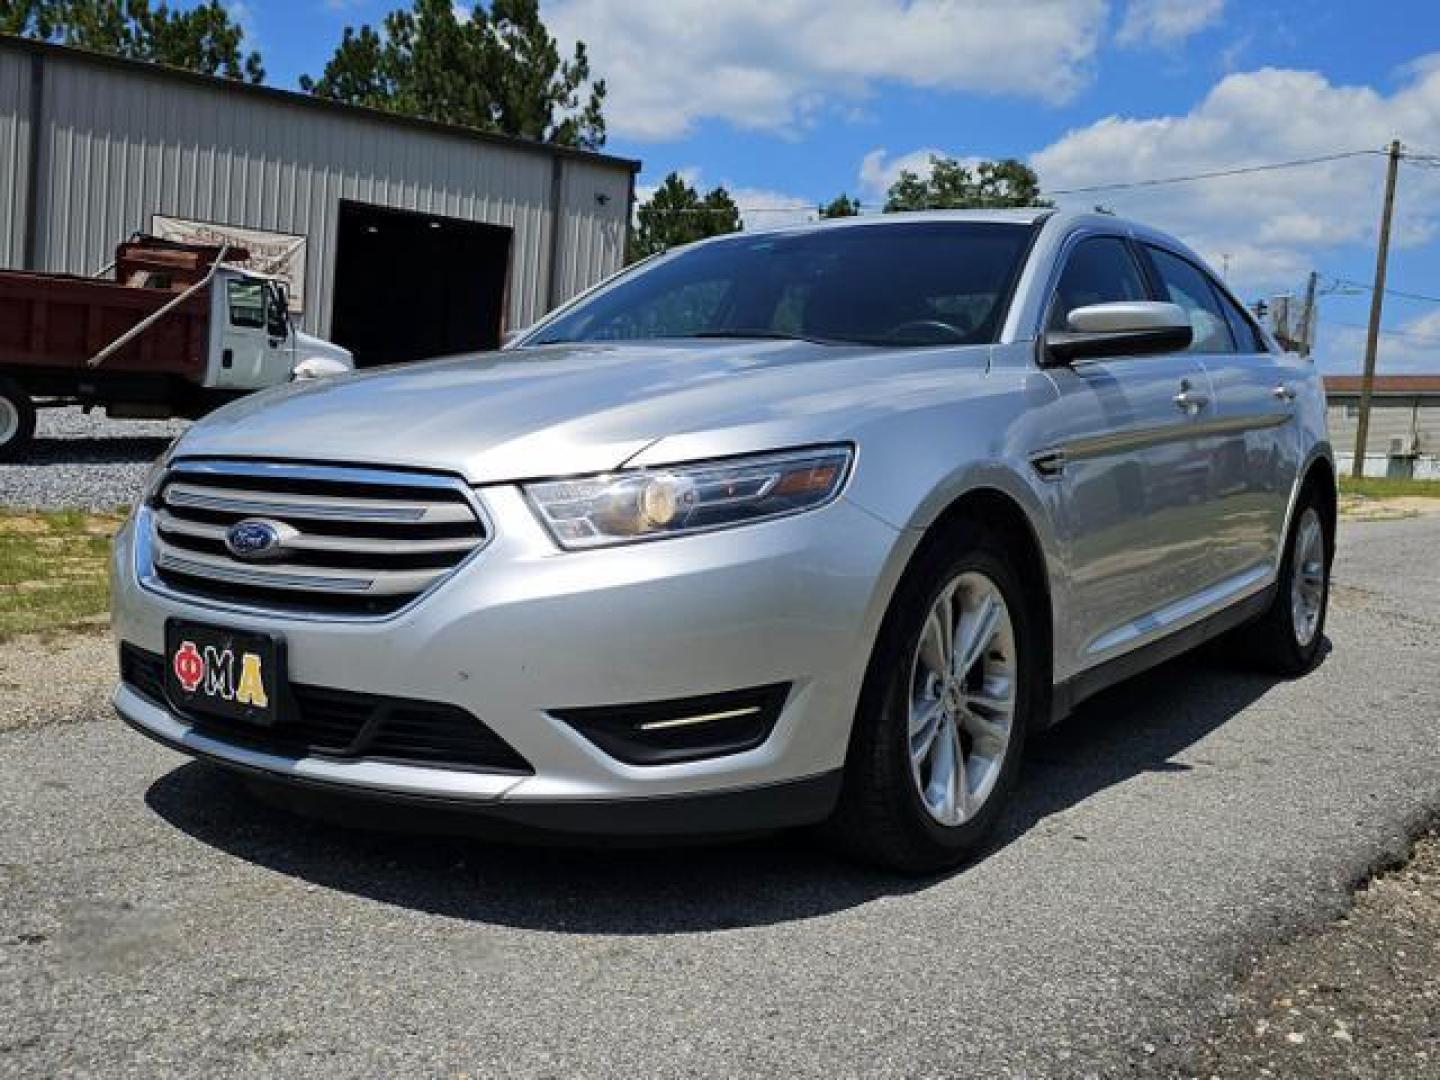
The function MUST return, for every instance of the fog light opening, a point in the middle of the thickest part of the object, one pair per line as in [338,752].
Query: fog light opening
[685,729]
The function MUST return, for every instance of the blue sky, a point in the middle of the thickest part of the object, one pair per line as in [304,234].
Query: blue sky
[788,102]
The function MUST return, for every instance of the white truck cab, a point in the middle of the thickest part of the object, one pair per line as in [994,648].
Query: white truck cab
[253,341]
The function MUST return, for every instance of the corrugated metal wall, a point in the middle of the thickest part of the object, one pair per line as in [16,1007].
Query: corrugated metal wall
[123,143]
[595,203]
[1390,418]
[14,147]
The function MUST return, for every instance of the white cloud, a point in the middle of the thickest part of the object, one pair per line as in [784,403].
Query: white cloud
[1166,22]
[1273,226]
[777,65]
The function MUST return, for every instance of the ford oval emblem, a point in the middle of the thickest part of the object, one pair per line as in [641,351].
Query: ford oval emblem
[255,539]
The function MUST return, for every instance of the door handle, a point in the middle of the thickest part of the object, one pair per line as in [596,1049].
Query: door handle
[1284,392]
[1189,399]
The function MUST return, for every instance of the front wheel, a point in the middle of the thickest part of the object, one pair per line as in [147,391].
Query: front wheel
[17,419]
[941,727]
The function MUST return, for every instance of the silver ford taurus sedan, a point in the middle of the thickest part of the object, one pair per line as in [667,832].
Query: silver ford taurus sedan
[810,526]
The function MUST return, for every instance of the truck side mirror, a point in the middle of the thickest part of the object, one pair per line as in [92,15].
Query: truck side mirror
[277,315]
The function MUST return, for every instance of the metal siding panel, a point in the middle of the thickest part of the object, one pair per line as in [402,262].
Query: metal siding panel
[592,233]
[122,145]
[14,154]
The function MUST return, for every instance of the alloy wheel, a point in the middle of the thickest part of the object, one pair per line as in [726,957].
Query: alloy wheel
[1307,577]
[962,698]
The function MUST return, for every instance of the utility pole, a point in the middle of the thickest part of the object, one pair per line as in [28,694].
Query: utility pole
[1306,330]
[1377,301]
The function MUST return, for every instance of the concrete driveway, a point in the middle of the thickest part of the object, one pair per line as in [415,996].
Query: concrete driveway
[155,919]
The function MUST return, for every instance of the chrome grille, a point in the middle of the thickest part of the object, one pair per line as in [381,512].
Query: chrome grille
[354,541]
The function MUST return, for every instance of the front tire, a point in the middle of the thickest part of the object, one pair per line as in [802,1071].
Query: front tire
[941,726]
[17,419]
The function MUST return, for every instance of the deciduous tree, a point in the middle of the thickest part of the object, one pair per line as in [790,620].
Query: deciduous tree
[953,186]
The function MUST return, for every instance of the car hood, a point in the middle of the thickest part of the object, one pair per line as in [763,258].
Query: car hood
[560,409]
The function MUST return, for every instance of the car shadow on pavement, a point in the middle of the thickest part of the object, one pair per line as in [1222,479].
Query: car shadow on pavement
[1132,729]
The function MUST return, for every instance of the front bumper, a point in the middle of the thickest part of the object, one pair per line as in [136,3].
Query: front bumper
[525,630]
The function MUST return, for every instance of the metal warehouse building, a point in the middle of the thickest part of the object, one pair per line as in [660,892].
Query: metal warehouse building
[1404,436]
[399,238]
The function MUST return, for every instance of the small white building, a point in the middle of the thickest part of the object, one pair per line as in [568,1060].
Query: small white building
[399,238]
[1404,436]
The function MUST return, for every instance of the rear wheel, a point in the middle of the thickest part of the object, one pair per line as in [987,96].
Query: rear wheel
[17,419]
[1287,639]
[942,725]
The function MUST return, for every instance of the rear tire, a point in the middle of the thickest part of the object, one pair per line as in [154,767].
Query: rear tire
[905,805]
[17,419]
[1287,639]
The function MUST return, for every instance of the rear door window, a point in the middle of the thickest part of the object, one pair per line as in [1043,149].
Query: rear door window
[1186,284]
[1247,338]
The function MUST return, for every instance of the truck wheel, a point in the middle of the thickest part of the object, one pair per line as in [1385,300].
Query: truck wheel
[17,419]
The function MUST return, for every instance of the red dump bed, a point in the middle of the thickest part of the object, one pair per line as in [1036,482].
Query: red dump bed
[56,322]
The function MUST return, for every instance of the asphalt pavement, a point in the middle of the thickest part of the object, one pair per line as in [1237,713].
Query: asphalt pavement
[155,919]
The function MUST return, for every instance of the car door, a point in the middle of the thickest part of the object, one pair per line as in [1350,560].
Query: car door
[1255,464]
[1126,449]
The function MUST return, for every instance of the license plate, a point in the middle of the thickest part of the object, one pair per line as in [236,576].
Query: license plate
[217,671]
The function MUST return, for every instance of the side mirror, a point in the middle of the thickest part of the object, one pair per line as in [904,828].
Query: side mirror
[277,311]
[1123,328]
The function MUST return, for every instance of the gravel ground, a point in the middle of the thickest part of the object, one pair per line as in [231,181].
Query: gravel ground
[156,920]
[1359,999]
[87,462]
[30,693]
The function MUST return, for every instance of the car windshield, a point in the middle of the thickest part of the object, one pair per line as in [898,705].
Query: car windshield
[920,283]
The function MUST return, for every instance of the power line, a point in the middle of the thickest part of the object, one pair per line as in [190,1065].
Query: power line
[1119,185]
[1216,174]
[1427,339]
[1346,283]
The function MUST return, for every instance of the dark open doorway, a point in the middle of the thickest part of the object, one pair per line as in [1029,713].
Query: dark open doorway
[410,286]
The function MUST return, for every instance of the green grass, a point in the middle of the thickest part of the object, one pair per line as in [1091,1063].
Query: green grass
[54,569]
[1376,487]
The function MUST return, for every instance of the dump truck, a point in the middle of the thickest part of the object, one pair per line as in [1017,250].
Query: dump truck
[178,330]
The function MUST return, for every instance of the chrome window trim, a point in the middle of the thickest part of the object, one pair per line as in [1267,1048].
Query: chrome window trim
[145,530]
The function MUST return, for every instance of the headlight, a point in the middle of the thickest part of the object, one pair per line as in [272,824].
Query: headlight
[651,503]
[156,473]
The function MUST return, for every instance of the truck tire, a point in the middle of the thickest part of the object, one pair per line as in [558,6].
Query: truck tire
[17,419]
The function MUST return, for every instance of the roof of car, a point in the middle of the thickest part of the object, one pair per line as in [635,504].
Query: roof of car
[1024,215]
[1021,215]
